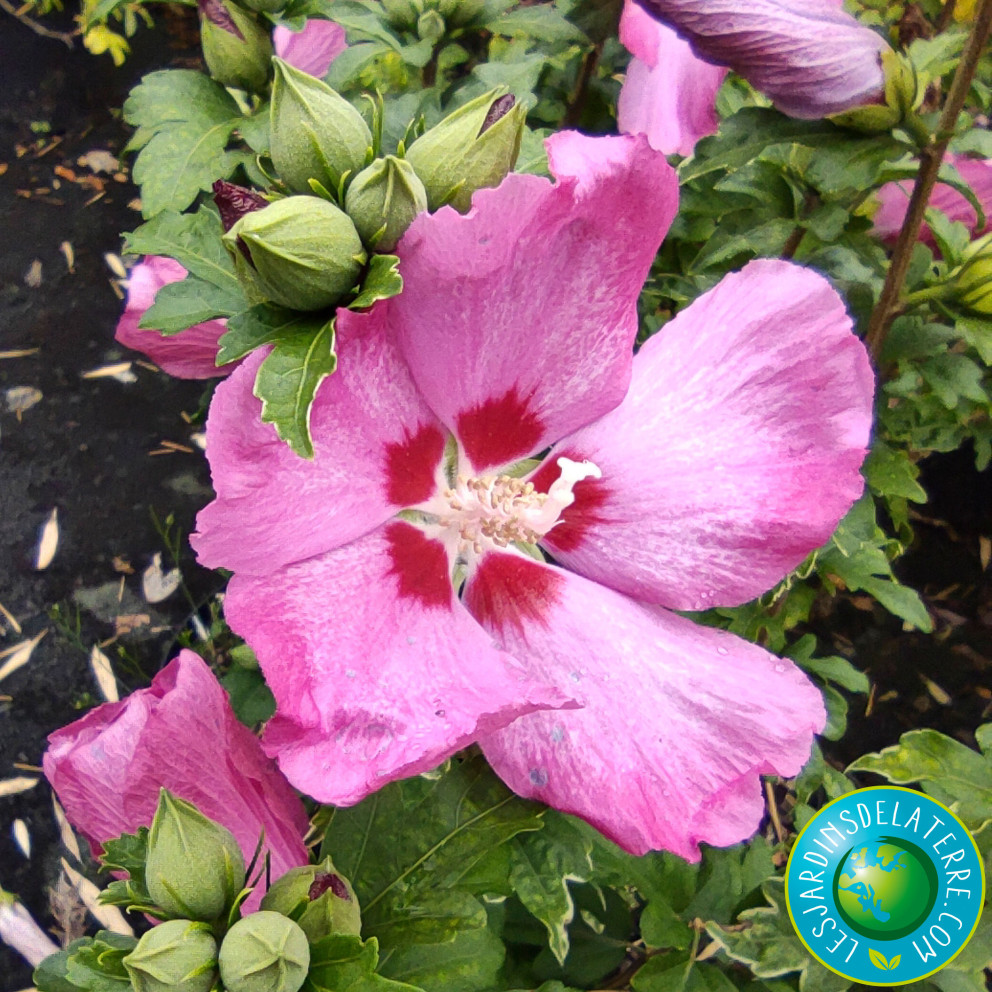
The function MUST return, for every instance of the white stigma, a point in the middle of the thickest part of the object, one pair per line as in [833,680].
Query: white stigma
[489,512]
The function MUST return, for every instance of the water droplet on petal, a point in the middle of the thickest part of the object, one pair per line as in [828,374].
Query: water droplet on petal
[411,640]
[575,676]
[781,667]
[557,733]
[539,777]
[722,650]
[350,673]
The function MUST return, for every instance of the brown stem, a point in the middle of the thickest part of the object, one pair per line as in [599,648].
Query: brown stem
[946,13]
[29,22]
[578,100]
[930,158]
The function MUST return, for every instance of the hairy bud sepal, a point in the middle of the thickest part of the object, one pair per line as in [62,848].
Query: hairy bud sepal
[176,956]
[264,952]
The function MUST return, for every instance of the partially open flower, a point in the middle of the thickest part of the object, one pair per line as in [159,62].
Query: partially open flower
[329,901]
[236,48]
[694,474]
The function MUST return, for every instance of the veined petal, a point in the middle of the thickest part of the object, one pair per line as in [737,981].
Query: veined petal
[314,48]
[736,451]
[893,200]
[180,734]
[678,721]
[190,354]
[668,95]
[377,449]
[809,56]
[518,319]
[377,669]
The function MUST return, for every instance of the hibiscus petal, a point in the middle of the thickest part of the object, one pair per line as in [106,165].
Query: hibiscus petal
[518,319]
[180,734]
[314,48]
[809,56]
[893,200]
[668,95]
[190,354]
[377,449]
[678,720]
[377,669]
[736,451]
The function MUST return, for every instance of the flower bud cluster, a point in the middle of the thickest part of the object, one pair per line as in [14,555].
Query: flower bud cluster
[308,250]
[433,18]
[195,874]
[972,280]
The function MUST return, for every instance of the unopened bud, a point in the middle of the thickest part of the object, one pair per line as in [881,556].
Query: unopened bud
[304,252]
[430,26]
[458,13]
[195,868]
[264,952]
[383,200]
[973,280]
[264,6]
[403,14]
[237,49]
[233,202]
[472,148]
[328,902]
[175,956]
[903,94]
[315,133]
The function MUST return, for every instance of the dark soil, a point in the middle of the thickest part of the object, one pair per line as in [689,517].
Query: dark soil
[84,449]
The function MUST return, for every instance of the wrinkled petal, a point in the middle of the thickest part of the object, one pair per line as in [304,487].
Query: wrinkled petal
[377,449]
[809,56]
[518,319]
[736,451]
[678,720]
[377,669]
[190,354]
[893,201]
[180,734]
[668,95]
[314,48]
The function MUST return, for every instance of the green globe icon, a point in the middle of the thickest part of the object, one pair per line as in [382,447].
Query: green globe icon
[885,888]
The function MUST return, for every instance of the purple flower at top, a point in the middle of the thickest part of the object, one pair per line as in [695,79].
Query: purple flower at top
[190,354]
[809,56]
[668,94]
[180,734]
[893,201]
[392,587]
[314,48]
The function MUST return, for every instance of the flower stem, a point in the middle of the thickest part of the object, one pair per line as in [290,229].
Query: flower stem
[930,159]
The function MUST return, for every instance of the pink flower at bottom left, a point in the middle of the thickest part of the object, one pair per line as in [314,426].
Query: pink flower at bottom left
[181,734]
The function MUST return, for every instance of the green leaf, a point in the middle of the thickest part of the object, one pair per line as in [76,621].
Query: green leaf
[184,120]
[677,972]
[127,853]
[891,472]
[748,133]
[51,974]
[179,305]
[946,769]
[543,22]
[193,240]
[251,699]
[770,947]
[542,865]
[97,965]
[382,280]
[408,849]
[288,379]
[343,963]
[262,324]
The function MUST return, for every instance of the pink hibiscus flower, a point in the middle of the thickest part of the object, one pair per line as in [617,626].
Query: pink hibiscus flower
[809,56]
[180,734]
[390,586]
[668,94]
[314,48]
[190,354]
[893,200]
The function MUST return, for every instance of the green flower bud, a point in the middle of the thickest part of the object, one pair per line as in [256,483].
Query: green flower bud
[304,253]
[329,901]
[973,280]
[315,133]
[175,956]
[472,148]
[264,6]
[430,26]
[264,952]
[195,867]
[383,200]
[237,49]
[903,94]
[458,13]
[403,14]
